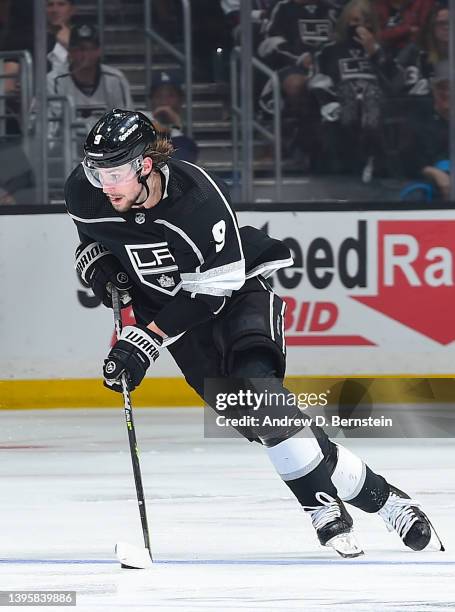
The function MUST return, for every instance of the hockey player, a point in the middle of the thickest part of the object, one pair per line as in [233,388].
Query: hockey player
[164,233]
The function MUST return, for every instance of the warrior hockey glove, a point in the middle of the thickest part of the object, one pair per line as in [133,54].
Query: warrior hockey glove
[100,269]
[132,354]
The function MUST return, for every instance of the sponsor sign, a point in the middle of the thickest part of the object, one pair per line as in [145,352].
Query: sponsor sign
[381,283]
[369,293]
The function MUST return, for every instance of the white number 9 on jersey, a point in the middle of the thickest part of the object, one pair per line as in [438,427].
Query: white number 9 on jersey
[219,233]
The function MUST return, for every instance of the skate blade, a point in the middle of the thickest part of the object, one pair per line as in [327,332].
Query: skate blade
[345,544]
[133,557]
[435,543]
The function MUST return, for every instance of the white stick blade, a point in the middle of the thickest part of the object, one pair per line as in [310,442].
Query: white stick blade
[133,557]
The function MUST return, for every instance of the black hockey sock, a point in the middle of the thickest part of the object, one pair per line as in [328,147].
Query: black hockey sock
[373,494]
[299,462]
[306,487]
[357,484]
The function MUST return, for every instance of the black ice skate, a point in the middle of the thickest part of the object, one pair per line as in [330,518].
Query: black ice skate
[403,515]
[333,525]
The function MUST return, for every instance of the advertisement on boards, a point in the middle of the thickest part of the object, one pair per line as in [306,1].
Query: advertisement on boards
[368,293]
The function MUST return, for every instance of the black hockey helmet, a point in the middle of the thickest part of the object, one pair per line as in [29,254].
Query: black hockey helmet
[118,137]
[118,140]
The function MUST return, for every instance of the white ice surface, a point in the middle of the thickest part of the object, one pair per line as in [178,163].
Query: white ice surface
[226,533]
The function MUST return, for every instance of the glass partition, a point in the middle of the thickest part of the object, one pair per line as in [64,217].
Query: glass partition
[350,103]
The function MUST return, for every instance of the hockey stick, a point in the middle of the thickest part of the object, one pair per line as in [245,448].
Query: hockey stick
[131,557]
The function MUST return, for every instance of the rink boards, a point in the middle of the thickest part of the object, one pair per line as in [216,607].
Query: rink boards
[370,294]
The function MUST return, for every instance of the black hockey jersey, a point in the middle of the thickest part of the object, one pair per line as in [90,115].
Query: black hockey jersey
[295,29]
[186,255]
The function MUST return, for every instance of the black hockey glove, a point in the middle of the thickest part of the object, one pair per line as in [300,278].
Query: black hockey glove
[99,268]
[133,353]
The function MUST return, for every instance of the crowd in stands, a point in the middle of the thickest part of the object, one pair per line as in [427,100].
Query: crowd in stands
[76,72]
[364,83]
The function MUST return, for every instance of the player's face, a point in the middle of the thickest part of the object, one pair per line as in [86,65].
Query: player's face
[120,183]
[59,12]
[124,195]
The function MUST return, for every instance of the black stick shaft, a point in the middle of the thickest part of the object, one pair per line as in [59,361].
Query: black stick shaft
[130,429]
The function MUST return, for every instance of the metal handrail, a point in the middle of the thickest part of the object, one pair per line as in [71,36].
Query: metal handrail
[184,58]
[68,120]
[25,61]
[273,136]
[100,19]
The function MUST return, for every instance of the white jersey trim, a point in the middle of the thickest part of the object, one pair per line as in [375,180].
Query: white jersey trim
[272,328]
[165,172]
[212,182]
[198,289]
[102,220]
[185,236]
[221,307]
[269,267]
[171,339]
[226,271]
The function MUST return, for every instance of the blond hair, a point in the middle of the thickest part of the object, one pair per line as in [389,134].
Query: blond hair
[428,39]
[368,13]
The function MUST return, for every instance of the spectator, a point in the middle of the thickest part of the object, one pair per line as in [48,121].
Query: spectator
[260,13]
[295,31]
[417,62]
[349,83]
[427,153]
[231,8]
[59,16]
[18,35]
[20,29]
[93,87]
[165,103]
[17,184]
[401,21]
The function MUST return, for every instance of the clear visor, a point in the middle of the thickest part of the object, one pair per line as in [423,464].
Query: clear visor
[110,177]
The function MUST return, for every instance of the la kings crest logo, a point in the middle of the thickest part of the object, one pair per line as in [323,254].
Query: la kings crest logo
[166,281]
[139,218]
[357,66]
[314,31]
[155,266]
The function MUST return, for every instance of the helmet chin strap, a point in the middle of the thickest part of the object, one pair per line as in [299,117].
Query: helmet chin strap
[142,180]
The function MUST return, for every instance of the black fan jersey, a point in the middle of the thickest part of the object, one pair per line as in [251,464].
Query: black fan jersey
[348,63]
[186,255]
[295,29]
[345,62]
[416,71]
